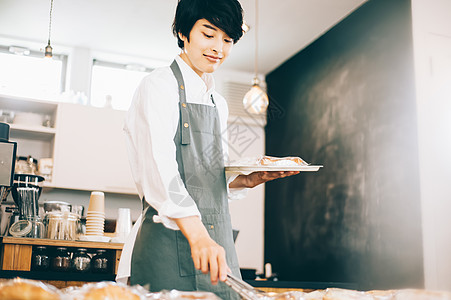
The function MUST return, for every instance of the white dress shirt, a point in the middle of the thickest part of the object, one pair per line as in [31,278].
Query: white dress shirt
[150,127]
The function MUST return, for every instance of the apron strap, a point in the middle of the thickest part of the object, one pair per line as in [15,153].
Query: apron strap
[184,118]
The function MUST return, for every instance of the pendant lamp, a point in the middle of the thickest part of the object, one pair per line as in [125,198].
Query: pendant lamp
[48,48]
[256,101]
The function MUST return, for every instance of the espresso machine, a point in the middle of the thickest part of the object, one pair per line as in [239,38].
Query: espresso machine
[8,151]
[25,189]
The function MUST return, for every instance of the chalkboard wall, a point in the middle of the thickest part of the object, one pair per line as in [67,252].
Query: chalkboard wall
[348,102]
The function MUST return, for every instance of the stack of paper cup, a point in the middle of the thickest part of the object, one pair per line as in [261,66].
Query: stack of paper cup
[95,218]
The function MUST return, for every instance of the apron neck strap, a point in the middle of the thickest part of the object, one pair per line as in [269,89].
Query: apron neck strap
[184,117]
[181,84]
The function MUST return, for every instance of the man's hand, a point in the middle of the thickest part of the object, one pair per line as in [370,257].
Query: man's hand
[256,178]
[207,255]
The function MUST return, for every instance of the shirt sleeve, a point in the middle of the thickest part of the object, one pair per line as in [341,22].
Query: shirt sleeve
[151,125]
[235,193]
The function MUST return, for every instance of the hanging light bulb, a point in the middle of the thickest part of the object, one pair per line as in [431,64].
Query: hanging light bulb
[48,49]
[256,100]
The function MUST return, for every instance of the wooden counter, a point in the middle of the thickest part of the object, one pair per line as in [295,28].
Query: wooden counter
[16,255]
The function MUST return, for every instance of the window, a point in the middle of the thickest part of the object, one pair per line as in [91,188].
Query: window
[27,73]
[115,83]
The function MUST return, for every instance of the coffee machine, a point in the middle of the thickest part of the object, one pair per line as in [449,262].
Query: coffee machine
[25,189]
[8,151]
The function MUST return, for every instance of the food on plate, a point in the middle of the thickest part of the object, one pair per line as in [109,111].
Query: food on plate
[176,295]
[110,292]
[281,161]
[315,295]
[23,289]
[413,294]
[343,294]
[382,294]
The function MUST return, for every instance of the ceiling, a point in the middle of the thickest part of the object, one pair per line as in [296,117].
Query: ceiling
[142,28]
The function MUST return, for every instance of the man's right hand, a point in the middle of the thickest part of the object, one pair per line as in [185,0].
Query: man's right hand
[207,255]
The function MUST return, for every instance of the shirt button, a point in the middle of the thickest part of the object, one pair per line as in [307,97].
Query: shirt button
[185,125]
[184,104]
[212,226]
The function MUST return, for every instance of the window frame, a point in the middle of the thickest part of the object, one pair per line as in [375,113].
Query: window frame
[38,54]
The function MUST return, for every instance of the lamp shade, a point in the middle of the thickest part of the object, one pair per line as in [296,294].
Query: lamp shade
[256,101]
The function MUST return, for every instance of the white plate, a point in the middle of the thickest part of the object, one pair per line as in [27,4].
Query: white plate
[95,238]
[250,169]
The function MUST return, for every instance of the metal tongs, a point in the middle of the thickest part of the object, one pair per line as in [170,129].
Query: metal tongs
[244,289]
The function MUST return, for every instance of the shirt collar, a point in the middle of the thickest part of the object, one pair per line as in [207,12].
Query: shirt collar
[195,86]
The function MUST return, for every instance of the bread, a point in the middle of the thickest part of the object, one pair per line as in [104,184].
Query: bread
[382,294]
[19,289]
[174,294]
[110,292]
[413,294]
[343,294]
[315,295]
[281,161]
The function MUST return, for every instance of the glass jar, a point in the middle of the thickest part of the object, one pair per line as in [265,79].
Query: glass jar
[99,262]
[81,261]
[26,165]
[62,225]
[40,260]
[61,261]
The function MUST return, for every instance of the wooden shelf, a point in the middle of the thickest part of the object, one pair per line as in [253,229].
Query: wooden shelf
[60,243]
[60,276]
[16,257]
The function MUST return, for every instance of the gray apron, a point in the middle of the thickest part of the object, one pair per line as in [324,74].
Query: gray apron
[161,257]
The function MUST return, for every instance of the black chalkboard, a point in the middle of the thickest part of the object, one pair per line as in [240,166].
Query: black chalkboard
[348,102]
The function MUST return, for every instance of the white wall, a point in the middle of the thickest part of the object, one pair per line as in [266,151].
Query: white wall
[432,50]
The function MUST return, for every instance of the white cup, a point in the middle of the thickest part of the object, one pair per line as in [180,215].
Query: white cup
[123,223]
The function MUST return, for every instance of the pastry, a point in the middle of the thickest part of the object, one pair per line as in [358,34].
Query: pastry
[110,292]
[174,294]
[382,294]
[413,294]
[343,294]
[281,161]
[18,289]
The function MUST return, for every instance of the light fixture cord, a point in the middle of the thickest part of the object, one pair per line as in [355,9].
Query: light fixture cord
[256,40]
[50,22]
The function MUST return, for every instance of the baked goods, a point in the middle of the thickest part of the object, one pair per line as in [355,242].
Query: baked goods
[413,294]
[289,161]
[110,292]
[343,294]
[106,290]
[382,294]
[315,295]
[176,295]
[23,289]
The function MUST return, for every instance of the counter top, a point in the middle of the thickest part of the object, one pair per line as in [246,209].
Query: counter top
[59,243]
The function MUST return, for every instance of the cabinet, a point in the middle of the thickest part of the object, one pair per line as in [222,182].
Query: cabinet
[90,151]
[16,255]
[87,144]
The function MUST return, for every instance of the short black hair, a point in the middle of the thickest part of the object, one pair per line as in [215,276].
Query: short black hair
[227,15]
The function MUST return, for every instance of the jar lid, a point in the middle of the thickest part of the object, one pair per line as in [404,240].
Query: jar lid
[82,249]
[20,228]
[61,248]
[101,251]
[41,247]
